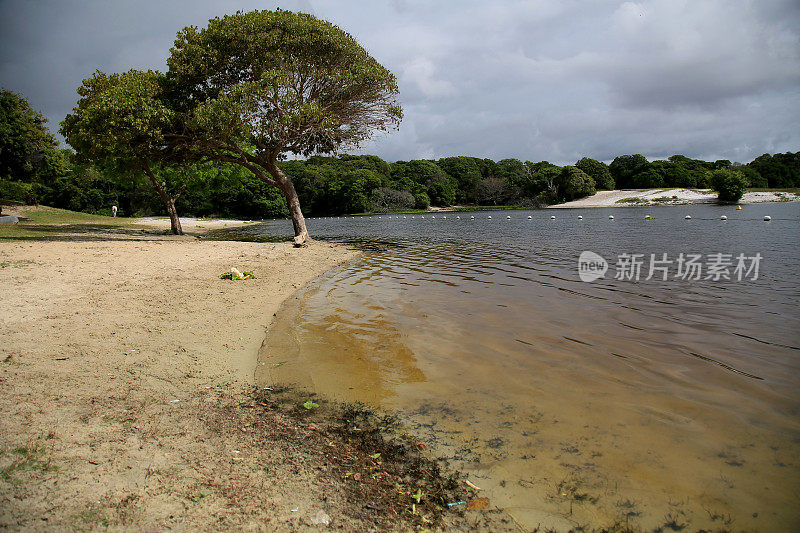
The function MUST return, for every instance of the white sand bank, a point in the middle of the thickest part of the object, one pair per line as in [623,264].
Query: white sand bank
[649,197]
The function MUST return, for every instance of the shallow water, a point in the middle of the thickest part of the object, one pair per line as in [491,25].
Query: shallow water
[643,403]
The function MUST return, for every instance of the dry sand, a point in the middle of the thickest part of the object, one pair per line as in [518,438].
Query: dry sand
[670,196]
[191,225]
[126,367]
[108,349]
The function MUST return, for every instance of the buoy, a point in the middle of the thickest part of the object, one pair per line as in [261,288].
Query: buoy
[458,217]
[508,218]
[490,217]
[767,218]
[723,217]
[738,207]
[529,217]
[552,217]
[472,218]
[444,216]
[580,217]
[610,217]
[688,217]
[648,217]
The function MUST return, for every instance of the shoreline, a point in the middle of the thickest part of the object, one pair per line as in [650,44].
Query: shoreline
[126,383]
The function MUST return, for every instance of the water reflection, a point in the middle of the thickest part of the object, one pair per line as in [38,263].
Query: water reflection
[651,404]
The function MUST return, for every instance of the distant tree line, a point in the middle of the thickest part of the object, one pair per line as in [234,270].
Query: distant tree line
[34,170]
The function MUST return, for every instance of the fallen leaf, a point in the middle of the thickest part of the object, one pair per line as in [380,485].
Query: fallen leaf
[478,503]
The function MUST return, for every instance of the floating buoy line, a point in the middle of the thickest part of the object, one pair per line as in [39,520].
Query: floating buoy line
[767,218]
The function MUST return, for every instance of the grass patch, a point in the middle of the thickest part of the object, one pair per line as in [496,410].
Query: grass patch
[46,223]
[632,200]
[89,519]
[20,263]
[52,215]
[31,458]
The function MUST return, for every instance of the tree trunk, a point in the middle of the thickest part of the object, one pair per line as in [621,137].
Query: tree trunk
[174,221]
[168,201]
[287,188]
[298,221]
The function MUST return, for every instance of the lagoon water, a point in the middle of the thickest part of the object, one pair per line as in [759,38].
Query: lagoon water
[648,404]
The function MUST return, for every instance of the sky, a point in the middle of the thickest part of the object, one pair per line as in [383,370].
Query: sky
[537,80]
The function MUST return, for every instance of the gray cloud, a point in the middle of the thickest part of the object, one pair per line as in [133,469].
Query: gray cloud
[541,79]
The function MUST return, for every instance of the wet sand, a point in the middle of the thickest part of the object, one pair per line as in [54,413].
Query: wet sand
[661,405]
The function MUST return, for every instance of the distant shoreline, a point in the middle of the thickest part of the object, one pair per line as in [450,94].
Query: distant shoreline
[654,197]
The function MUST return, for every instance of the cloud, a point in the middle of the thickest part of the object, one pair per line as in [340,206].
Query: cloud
[533,79]
[419,75]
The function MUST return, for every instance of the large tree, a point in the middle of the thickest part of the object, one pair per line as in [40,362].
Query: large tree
[598,171]
[121,120]
[254,86]
[29,155]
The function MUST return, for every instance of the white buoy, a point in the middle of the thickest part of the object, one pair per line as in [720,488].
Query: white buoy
[529,217]
[508,218]
[490,217]
[552,217]
[472,218]
[610,217]
[444,216]
[458,217]
[580,217]
[723,217]
[688,217]
[767,218]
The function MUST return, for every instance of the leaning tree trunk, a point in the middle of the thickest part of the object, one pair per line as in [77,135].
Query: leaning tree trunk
[174,221]
[287,188]
[168,201]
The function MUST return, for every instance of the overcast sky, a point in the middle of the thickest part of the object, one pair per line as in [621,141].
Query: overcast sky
[540,79]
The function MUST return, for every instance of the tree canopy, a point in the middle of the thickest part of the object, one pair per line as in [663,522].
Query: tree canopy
[730,184]
[122,119]
[254,86]
[29,157]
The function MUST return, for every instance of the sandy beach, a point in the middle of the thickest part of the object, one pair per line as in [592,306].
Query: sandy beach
[108,346]
[649,197]
[192,225]
[126,367]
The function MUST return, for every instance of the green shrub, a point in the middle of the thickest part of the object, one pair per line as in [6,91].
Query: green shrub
[730,184]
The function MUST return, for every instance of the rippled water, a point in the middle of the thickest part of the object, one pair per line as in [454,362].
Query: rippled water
[644,404]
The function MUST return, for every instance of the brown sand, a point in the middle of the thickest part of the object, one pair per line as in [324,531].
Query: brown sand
[108,348]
